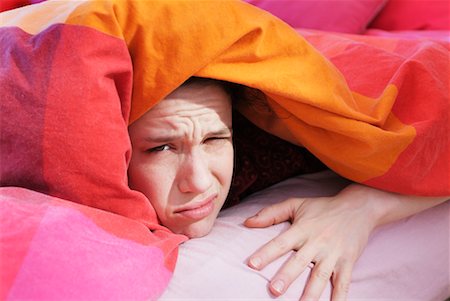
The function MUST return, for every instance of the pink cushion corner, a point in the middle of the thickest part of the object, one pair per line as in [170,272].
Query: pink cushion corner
[414,15]
[351,16]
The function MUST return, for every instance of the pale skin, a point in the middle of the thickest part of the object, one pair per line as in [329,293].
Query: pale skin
[332,232]
[183,162]
[183,157]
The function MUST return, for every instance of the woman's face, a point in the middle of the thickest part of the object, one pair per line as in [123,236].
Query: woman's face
[183,157]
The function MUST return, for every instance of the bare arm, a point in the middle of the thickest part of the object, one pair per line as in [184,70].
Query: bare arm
[332,232]
[390,207]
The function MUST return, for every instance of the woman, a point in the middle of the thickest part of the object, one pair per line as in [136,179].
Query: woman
[182,161]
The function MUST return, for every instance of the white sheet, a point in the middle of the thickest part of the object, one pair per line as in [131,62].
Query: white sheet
[407,260]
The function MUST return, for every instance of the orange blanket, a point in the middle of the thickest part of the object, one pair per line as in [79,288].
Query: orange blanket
[75,73]
[382,120]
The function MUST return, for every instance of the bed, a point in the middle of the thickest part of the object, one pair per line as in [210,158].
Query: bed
[76,73]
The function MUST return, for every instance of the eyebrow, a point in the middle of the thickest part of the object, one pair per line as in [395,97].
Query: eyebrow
[160,139]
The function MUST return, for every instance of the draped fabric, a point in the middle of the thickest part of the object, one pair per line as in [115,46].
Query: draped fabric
[74,74]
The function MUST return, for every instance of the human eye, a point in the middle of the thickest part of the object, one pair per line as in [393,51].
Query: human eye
[216,139]
[159,148]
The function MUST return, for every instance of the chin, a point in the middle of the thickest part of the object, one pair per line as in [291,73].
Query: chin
[196,233]
[197,230]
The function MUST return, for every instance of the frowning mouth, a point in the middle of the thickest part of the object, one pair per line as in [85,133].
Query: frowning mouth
[198,210]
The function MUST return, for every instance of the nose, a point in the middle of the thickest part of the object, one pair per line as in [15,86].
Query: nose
[194,174]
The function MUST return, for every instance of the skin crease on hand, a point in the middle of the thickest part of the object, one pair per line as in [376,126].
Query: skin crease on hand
[329,231]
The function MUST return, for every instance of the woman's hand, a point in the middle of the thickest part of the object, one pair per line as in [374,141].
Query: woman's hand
[331,232]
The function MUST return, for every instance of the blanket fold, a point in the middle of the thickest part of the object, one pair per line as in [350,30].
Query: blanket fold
[74,74]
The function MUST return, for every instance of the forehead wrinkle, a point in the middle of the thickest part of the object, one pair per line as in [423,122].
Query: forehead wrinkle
[187,125]
[184,111]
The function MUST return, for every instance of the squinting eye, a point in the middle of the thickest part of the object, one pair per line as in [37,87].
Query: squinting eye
[160,148]
[214,139]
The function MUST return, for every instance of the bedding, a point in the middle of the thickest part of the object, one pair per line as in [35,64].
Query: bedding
[74,74]
[349,16]
[405,261]
[414,15]
[53,249]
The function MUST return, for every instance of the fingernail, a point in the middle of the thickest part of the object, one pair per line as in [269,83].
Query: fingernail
[255,262]
[278,286]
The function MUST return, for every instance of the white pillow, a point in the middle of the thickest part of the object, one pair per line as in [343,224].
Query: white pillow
[407,260]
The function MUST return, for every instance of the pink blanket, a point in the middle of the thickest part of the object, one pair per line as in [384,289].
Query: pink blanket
[53,249]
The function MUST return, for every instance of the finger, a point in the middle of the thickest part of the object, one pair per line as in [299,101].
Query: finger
[341,281]
[271,215]
[277,247]
[320,277]
[295,266]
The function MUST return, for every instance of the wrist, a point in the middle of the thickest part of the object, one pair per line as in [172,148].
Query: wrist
[385,207]
[374,204]
[368,202]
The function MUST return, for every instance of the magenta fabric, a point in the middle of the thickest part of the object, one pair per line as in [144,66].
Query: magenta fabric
[349,16]
[100,261]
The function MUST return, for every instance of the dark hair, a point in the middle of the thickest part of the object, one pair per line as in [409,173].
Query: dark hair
[237,92]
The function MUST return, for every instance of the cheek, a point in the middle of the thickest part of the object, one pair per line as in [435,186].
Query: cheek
[151,181]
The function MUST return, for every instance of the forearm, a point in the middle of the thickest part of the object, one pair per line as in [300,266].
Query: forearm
[389,207]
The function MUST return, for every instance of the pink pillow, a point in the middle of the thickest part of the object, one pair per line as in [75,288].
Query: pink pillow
[413,15]
[350,16]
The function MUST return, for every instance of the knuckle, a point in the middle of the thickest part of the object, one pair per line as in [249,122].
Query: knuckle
[323,274]
[300,259]
[281,244]
[343,286]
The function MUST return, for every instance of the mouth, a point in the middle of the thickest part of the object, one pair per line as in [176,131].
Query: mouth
[198,210]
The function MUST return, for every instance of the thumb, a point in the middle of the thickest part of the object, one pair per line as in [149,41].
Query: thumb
[271,215]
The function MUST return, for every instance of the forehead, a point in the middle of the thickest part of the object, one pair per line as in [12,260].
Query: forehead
[206,102]
[209,96]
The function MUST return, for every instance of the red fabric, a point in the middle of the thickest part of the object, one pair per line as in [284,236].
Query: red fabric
[414,15]
[12,4]
[72,142]
[411,69]
[64,134]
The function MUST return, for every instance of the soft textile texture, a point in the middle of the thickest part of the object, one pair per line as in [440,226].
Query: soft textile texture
[442,36]
[405,261]
[367,119]
[12,4]
[75,73]
[53,249]
[414,15]
[350,16]
[376,129]
[262,160]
